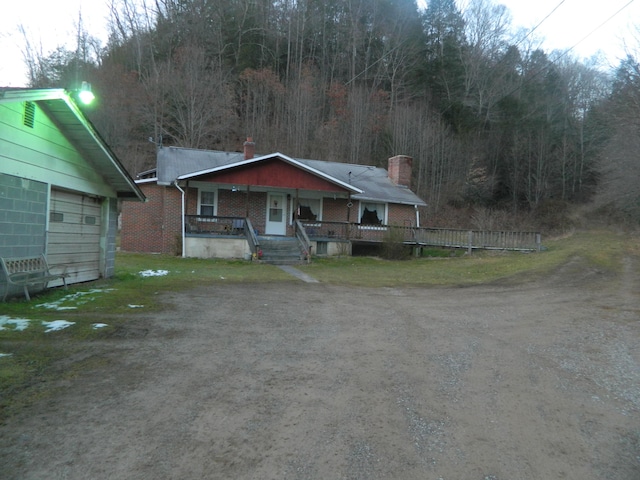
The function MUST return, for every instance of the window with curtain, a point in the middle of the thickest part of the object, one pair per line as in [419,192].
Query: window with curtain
[308,209]
[372,213]
[207,203]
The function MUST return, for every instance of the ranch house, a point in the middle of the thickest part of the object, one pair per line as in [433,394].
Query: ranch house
[210,204]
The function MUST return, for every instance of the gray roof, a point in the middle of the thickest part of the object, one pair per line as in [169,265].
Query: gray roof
[63,111]
[365,182]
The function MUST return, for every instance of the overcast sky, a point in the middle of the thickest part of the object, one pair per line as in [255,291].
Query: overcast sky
[51,22]
[573,20]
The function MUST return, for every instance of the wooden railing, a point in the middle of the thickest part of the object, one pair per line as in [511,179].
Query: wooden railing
[481,239]
[214,225]
[344,231]
[328,230]
[442,237]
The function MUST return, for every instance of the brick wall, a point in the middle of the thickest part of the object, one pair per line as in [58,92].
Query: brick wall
[153,226]
[402,215]
[172,221]
[336,210]
[191,201]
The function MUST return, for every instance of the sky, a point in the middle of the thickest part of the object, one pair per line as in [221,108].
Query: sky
[48,24]
[51,23]
[573,20]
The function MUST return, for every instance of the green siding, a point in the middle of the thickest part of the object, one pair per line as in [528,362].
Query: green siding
[43,153]
[32,161]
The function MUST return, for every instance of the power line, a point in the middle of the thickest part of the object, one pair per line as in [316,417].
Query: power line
[597,28]
[541,22]
[566,52]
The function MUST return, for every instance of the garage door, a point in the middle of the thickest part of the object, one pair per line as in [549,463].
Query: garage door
[73,242]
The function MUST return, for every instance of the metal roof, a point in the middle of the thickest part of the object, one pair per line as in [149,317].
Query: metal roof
[364,181]
[58,105]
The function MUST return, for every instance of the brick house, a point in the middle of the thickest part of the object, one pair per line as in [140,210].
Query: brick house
[203,203]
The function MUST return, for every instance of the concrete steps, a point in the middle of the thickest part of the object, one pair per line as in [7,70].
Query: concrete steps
[280,250]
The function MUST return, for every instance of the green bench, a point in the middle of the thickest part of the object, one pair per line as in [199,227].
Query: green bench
[28,272]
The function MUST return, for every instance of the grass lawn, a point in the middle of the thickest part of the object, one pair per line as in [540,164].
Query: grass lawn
[96,310]
[602,249]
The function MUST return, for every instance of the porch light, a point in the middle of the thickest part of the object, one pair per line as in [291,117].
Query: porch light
[85,94]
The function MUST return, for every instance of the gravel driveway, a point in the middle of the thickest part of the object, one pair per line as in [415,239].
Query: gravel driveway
[314,381]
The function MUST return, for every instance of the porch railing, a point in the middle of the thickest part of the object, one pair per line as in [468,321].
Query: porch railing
[214,225]
[480,239]
[424,236]
[344,231]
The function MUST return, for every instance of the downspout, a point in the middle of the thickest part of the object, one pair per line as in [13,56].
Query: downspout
[175,182]
[417,216]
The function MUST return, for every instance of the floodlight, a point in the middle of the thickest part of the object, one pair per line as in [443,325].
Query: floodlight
[86,95]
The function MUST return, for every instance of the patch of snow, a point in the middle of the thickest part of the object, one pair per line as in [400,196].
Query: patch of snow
[135,306]
[19,324]
[78,298]
[153,273]
[96,326]
[55,306]
[57,325]
[5,354]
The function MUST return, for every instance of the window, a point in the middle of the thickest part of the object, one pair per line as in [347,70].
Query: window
[308,210]
[207,203]
[321,248]
[373,213]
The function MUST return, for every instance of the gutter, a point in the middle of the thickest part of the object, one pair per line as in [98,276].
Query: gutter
[175,183]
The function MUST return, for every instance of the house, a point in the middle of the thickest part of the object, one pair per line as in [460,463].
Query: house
[59,185]
[203,203]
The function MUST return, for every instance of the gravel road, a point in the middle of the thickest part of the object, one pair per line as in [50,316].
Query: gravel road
[314,381]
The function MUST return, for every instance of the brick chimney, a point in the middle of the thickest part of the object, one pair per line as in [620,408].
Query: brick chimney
[249,148]
[400,170]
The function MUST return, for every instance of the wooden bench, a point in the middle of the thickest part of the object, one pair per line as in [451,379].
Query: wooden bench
[27,272]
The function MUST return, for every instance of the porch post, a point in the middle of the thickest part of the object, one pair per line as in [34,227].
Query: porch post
[349,205]
[247,203]
[182,223]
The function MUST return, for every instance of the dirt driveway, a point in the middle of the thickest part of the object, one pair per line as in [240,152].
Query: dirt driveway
[313,381]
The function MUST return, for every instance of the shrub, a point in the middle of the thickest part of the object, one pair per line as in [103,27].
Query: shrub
[393,247]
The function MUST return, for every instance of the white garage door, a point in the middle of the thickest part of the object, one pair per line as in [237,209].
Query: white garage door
[73,242]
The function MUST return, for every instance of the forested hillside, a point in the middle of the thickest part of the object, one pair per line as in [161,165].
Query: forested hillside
[491,121]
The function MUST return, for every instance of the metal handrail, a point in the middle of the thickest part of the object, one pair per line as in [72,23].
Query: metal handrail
[301,234]
[252,238]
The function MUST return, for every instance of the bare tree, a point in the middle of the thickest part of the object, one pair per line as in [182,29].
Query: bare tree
[197,107]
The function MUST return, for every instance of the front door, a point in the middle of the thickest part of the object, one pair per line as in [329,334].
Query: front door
[276,219]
